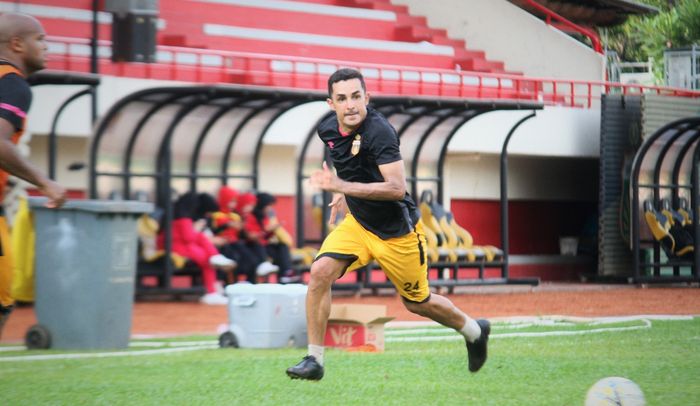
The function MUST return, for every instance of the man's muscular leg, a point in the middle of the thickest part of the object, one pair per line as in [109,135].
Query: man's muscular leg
[324,272]
[476,332]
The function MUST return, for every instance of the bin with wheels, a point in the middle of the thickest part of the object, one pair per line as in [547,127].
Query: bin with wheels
[265,316]
[85,264]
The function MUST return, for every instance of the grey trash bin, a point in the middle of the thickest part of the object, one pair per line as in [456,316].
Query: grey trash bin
[85,263]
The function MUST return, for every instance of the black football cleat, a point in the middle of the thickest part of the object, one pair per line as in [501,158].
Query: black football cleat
[477,351]
[307,369]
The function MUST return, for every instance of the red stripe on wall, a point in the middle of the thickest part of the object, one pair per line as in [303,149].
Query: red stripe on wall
[534,226]
[286,213]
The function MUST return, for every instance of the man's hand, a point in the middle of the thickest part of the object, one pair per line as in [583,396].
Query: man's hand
[338,204]
[55,192]
[324,179]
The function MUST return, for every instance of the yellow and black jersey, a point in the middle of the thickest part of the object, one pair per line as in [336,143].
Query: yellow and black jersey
[356,157]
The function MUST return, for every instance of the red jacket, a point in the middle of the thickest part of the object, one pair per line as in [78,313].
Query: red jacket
[184,235]
[255,230]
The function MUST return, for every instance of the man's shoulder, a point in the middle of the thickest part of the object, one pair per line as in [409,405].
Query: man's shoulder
[328,124]
[377,124]
[14,80]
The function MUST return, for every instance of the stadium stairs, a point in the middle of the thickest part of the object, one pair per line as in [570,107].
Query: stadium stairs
[344,30]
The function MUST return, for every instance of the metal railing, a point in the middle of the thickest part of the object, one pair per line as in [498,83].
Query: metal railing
[549,15]
[217,66]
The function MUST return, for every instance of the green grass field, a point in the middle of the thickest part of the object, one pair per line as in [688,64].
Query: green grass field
[544,366]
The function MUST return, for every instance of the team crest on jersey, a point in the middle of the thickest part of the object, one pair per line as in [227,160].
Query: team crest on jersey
[356,145]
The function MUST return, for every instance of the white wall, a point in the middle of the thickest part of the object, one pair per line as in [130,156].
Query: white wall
[554,132]
[278,170]
[477,176]
[509,34]
[70,150]
[552,156]
[75,120]
[74,128]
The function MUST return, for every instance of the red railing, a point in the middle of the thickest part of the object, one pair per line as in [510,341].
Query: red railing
[549,15]
[214,66]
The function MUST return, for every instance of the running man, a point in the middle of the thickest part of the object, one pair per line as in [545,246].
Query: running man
[22,52]
[382,224]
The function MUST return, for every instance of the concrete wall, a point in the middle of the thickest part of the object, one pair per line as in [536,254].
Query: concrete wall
[509,34]
[477,176]
[70,150]
[554,132]
[75,120]
[279,169]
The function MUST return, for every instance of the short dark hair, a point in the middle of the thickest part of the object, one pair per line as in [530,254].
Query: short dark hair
[344,74]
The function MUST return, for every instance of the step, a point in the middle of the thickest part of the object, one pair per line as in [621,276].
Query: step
[417,31]
[179,20]
[462,53]
[411,33]
[406,19]
[480,65]
[175,40]
[379,5]
[445,40]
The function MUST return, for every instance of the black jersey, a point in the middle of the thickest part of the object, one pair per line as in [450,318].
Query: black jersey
[356,157]
[15,95]
[15,98]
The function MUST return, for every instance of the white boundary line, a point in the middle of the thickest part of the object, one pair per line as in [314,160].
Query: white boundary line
[456,337]
[554,317]
[13,348]
[105,354]
[137,344]
[392,336]
[526,321]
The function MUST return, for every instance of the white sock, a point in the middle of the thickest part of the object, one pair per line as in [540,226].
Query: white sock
[471,330]
[317,352]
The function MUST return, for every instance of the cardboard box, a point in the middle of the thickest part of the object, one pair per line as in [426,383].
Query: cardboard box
[354,326]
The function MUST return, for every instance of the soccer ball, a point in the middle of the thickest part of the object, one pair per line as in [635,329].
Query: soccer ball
[615,391]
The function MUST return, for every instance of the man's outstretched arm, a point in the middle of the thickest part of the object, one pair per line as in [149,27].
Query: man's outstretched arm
[14,163]
[392,188]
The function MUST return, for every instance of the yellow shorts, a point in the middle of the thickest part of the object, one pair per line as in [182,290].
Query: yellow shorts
[6,266]
[403,259]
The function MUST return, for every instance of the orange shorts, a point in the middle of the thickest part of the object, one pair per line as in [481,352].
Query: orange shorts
[6,265]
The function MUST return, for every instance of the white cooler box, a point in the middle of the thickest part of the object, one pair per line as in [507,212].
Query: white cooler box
[265,316]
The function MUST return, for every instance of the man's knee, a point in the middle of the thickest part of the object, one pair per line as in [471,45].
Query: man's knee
[326,270]
[419,308]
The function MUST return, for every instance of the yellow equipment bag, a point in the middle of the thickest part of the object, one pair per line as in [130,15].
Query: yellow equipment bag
[23,237]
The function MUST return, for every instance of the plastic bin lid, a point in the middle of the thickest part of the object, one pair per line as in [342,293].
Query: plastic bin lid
[265,288]
[96,206]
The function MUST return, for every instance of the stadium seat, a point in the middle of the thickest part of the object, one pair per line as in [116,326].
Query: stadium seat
[682,235]
[151,260]
[437,252]
[677,244]
[457,238]
[687,215]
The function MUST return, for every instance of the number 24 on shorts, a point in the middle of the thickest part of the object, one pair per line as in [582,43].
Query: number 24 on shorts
[408,286]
